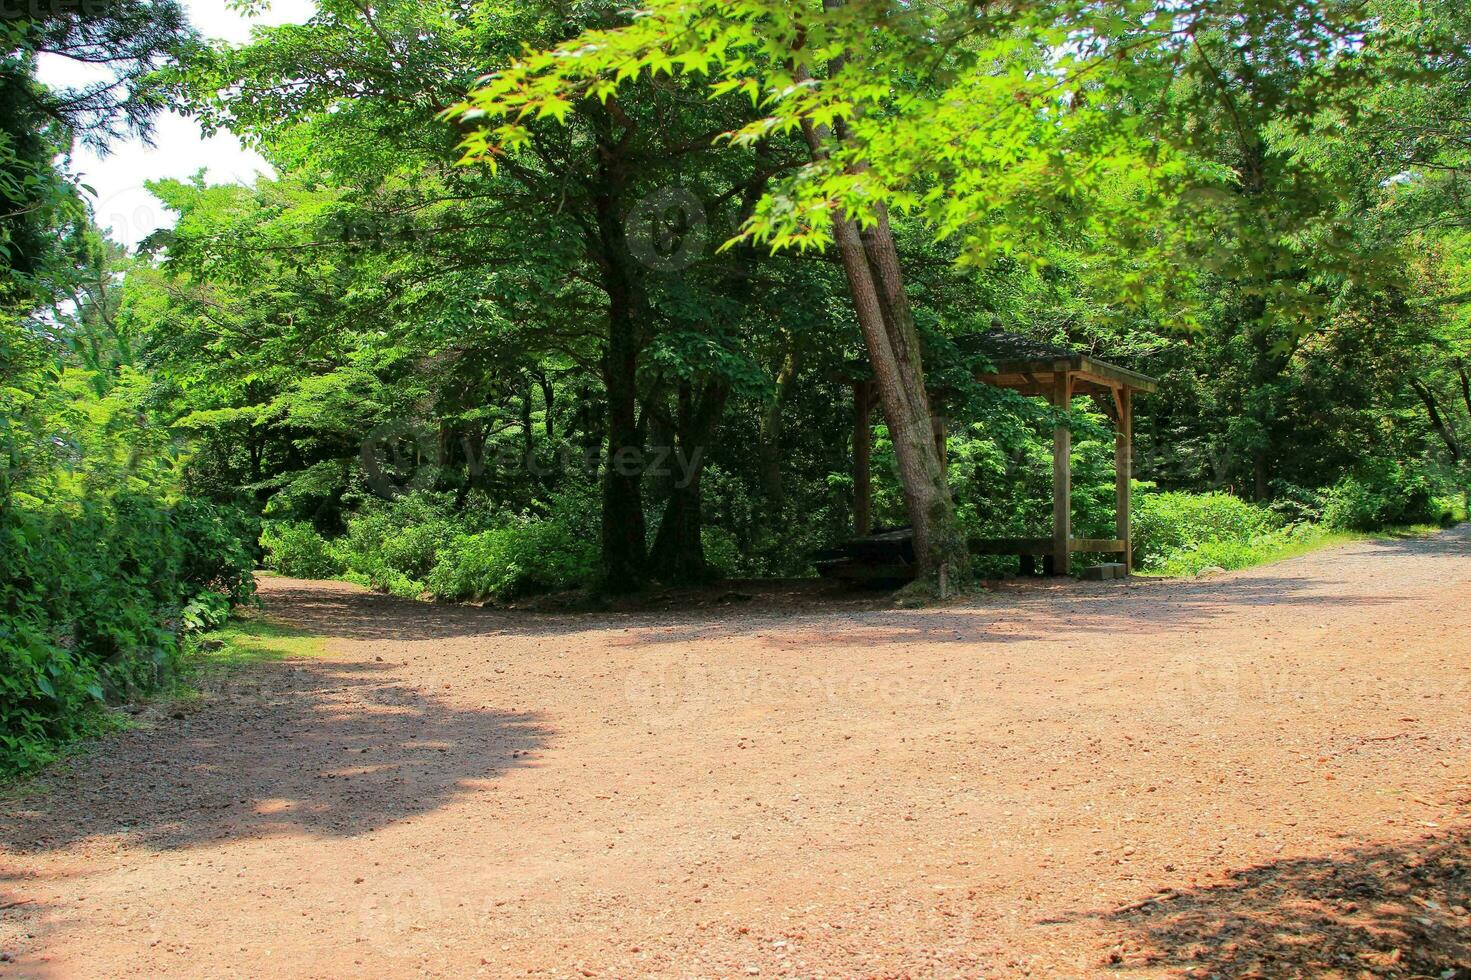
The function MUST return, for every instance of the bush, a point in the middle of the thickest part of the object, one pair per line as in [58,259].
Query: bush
[1381,494]
[102,566]
[528,555]
[93,599]
[392,545]
[217,557]
[1448,510]
[295,548]
[1167,523]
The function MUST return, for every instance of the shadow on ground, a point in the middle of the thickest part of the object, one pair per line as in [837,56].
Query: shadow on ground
[326,748]
[1384,911]
[1060,609]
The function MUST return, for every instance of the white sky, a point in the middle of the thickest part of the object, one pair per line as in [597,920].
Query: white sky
[179,150]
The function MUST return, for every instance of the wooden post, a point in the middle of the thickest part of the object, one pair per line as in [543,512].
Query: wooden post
[862,450]
[1123,464]
[1062,475]
[937,425]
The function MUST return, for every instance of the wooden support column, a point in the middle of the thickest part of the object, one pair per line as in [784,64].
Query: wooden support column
[1123,464]
[862,451]
[1062,476]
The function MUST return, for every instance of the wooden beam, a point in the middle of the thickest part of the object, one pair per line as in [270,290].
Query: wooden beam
[862,453]
[1106,546]
[1086,369]
[1117,375]
[1062,477]
[1010,546]
[1123,464]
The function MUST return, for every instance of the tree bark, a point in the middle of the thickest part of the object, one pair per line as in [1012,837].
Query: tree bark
[876,284]
[678,554]
[528,437]
[625,557]
[548,399]
[1436,421]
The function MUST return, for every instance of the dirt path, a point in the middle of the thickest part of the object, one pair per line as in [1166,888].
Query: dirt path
[1279,758]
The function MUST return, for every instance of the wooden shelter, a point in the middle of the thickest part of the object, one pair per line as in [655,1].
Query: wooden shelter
[1030,368]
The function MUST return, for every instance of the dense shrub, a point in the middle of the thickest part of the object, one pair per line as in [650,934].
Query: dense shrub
[217,557]
[1181,533]
[399,540]
[93,599]
[103,566]
[295,548]
[1381,493]
[1165,523]
[528,555]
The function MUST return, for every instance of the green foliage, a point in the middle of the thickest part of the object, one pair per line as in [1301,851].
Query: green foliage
[420,544]
[527,556]
[1230,555]
[103,565]
[393,545]
[1181,533]
[295,548]
[1281,178]
[1168,523]
[95,597]
[1381,493]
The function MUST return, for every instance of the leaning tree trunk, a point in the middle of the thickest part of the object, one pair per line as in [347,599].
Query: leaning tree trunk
[1438,423]
[876,284]
[947,542]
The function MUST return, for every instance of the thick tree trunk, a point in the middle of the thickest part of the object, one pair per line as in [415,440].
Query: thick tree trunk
[624,549]
[928,487]
[881,305]
[624,557]
[678,554]
[899,380]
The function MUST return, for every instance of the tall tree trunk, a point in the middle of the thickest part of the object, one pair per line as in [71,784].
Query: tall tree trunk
[625,555]
[876,284]
[548,399]
[678,554]
[623,506]
[528,437]
[1270,360]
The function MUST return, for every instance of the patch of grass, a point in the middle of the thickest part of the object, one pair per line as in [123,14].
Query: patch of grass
[1270,548]
[247,640]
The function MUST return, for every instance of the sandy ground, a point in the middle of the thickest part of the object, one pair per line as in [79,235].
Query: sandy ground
[1261,774]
